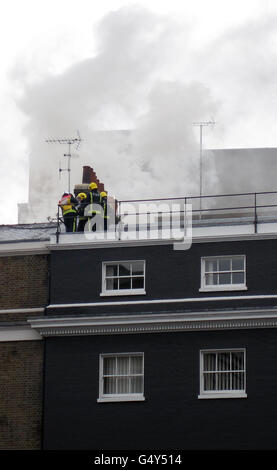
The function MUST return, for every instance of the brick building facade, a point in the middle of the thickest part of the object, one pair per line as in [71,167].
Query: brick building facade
[21,395]
[23,283]
[138,344]
[23,293]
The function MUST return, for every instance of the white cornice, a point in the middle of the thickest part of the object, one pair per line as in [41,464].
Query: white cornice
[234,237]
[44,247]
[22,310]
[154,323]
[85,245]
[134,243]
[20,248]
[18,333]
[24,248]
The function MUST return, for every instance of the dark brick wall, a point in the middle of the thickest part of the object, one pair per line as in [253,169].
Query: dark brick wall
[172,416]
[23,284]
[21,395]
[76,275]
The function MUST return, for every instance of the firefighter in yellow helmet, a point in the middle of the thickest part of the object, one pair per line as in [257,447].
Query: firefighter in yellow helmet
[67,204]
[93,202]
[82,219]
[104,204]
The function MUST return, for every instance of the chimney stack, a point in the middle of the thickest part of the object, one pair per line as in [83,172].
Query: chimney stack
[89,176]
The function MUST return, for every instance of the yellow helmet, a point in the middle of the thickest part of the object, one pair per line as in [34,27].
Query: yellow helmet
[103,194]
[93,186]
[82,195]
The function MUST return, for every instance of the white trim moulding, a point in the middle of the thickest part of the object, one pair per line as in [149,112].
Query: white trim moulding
[18,333]
[18,248]
[24,248]
[154,323]
[195,239]
[22,310]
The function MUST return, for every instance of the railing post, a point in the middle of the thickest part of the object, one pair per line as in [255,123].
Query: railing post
[185,217]
[137,215]
[255,213]
[148,223]
[119,221]
[58,226]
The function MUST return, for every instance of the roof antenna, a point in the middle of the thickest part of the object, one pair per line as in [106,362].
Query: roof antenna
[69,141]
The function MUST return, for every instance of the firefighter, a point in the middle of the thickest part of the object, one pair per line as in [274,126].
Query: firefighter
[93,209]
[104,204]
[82,219]
[67,204]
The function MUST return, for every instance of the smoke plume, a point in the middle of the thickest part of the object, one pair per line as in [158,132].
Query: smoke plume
[124,86]
[134,103]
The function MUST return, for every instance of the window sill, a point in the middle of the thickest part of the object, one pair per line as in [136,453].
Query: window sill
[222,288]
[222,395]
[122,292]
[121,398]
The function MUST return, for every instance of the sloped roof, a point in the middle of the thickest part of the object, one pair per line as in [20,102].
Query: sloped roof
[27,232]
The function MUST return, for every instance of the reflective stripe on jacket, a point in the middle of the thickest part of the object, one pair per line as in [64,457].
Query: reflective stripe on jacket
[94,202]
[66,205]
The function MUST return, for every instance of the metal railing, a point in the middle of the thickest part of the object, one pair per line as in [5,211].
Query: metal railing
[251,208]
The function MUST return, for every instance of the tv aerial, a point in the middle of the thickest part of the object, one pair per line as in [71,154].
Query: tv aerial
[68,141]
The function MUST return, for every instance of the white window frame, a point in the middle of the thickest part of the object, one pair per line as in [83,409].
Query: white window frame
[221,393]
[119,397]
[221,287]
[120,292]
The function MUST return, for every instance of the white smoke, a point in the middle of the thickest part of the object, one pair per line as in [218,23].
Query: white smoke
[147,76]
[124,86]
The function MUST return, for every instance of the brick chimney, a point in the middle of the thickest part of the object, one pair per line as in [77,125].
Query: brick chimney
[89,176]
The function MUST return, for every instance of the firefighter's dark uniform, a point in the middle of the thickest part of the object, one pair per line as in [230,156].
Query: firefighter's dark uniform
[104,204]
[82,219]
[93,202]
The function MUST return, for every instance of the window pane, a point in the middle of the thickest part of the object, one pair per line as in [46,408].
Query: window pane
[238,278]
[136,365]
[237,361]
[223,381]
[224,278]
[136,385]
[112,284]
[211,279]
[109,385]
[124,269]
[209,382]
[238,264]
[238,381]
[109,366]
[224,264]
[111,269]
[223,361]
[123,365]
[124,283]
[210,361]
[123,385]
[210,265]
[138,268]
[137,283]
